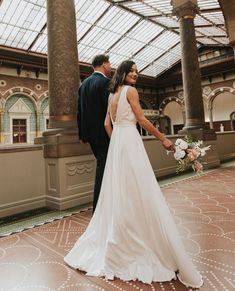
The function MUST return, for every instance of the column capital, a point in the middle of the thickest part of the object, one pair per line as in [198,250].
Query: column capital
[185,9]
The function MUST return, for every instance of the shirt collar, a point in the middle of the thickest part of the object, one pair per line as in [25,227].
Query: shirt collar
[100,73]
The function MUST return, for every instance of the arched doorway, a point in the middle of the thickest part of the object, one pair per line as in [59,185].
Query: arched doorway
[19,121]
[223,104]
[232,119]
[173,110]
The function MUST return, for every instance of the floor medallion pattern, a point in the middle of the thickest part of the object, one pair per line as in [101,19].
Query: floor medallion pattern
[203,208]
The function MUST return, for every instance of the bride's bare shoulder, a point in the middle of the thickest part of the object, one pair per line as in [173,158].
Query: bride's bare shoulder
[132,92]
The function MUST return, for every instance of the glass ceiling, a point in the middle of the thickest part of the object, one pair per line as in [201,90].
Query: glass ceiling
[144,31]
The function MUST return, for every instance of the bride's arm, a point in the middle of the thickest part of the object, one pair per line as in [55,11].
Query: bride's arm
[107,124]
[107,121]
[133,99]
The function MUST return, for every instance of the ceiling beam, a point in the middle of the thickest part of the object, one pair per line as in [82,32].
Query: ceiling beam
[200,26]
[124,35]
[159,57]
[37,37]
[138,14]
[147,44]
[94,24]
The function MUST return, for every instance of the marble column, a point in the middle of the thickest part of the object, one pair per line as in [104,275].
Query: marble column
[1,125]
[61,139]
[62,63]
[69,164]
[194,109]
[186,11]
[228,8]
[211,116]
[38,117]
[2,108]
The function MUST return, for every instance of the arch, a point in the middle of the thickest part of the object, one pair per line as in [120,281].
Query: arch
[222,103]
[218,91]
[209,99]
[168,100]
[175,112]
[232,115]
[22,91]
[43,96]
[43,104]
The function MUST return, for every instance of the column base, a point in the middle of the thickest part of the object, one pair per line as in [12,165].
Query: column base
[69,169]
[69,181]
[63,142]
[208,136]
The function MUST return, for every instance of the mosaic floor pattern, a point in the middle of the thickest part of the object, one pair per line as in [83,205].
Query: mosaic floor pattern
[203,208]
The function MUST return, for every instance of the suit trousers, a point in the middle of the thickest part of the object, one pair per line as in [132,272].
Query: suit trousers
[100,152]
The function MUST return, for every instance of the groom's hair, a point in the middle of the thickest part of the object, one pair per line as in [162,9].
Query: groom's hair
[98,60]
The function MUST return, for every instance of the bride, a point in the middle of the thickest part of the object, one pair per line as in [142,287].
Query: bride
[132,234]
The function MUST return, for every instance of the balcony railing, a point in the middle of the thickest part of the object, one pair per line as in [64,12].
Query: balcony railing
[151,112]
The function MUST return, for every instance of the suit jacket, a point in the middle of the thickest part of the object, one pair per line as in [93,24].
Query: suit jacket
[92,107]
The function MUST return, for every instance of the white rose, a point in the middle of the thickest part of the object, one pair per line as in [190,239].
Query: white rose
[179,154]
[181,143]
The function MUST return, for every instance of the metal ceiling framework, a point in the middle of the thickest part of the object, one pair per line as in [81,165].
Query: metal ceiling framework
[143,30]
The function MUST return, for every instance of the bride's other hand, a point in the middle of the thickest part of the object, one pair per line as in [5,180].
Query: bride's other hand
[168,144]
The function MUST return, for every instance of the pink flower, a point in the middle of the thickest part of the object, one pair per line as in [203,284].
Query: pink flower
[197,167]
[192,154]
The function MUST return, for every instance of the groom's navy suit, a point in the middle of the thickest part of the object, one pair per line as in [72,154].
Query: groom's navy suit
[92,107]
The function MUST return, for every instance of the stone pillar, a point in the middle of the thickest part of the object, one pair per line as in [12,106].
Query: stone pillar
[228,8]
[38,117]
[186,10]
[2,106]
[70,167]
[211,116]
[62,63]
[184,114]
[1,125]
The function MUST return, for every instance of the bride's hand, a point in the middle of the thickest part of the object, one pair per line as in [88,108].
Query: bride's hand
[168,144]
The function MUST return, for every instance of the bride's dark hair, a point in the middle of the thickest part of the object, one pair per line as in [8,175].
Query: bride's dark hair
[120,75]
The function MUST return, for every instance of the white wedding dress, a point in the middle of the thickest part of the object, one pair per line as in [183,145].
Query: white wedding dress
[132,234]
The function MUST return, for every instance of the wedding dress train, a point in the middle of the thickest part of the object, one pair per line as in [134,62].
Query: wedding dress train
[132,234]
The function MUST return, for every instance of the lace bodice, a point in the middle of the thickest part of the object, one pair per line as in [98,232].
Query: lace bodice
[124,113]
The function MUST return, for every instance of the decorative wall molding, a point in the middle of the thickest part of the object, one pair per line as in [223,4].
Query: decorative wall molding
[2,103]
[22,90]
[79,168]
[181,95]
[20,108]
[206,90]
[38,87]
[43,96]
[3,83]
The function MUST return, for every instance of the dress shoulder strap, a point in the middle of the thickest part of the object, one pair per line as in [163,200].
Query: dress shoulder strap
[124,92]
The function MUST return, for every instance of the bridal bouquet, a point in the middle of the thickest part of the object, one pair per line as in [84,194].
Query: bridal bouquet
[187,153]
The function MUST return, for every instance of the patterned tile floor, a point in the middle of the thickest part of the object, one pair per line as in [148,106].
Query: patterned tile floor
[203,208]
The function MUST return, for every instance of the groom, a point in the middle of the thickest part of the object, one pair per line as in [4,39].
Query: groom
[92,106]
